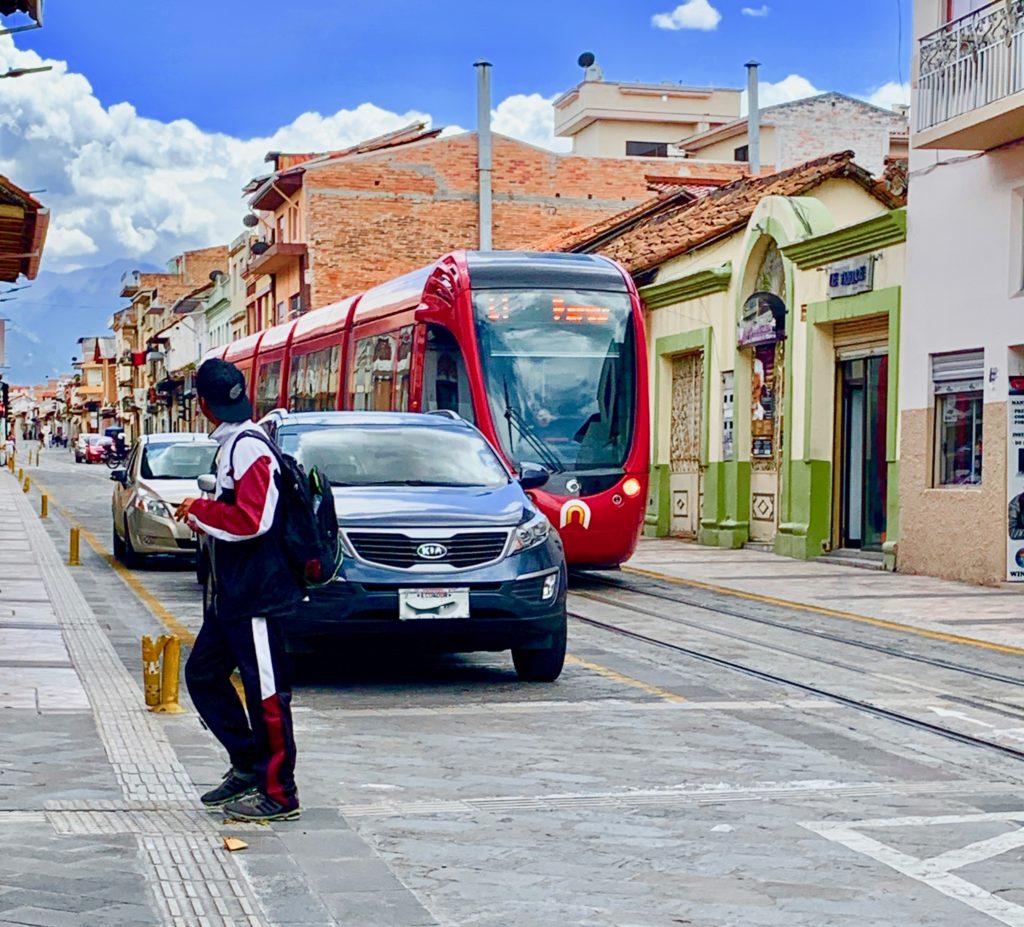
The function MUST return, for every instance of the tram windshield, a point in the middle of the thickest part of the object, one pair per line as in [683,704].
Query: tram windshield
[560,371]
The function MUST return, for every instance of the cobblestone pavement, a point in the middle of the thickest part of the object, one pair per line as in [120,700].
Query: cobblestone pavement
[643,789]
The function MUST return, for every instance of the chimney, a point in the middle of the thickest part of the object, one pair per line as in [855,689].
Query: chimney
[483,136]
[753,120]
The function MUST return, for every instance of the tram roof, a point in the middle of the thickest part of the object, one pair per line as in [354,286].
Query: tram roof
[493,270]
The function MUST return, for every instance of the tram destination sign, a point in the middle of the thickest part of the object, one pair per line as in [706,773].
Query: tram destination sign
[852,276]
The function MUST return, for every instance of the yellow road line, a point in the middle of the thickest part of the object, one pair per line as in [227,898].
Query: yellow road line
[130,579]
[832,613]
[609,673]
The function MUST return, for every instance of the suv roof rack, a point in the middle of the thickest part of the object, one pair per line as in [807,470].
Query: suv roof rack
[447,413]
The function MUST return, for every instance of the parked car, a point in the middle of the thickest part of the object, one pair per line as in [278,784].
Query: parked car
[161,470]
[441,543]
[91,448]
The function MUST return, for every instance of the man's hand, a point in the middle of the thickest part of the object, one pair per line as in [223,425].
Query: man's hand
[181,512]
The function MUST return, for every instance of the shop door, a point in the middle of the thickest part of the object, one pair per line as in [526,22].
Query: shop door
[863,469]
[684,453]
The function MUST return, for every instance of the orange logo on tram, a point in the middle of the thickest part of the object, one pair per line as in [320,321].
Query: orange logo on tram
[575,512]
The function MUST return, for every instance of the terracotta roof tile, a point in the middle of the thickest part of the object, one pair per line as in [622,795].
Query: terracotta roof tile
[668,232]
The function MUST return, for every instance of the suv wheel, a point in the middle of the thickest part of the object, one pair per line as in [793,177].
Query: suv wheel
[545,664]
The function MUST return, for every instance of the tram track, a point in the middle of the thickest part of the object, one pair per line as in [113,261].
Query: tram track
[777,679]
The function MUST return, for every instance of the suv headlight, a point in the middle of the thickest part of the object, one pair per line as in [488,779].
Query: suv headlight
[532,533]
[151,505]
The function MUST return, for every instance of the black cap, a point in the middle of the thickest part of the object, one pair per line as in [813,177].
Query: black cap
[223,387]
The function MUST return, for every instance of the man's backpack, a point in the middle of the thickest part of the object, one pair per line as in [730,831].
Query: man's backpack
[306,522]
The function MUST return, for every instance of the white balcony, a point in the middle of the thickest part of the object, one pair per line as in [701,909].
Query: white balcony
[971,80]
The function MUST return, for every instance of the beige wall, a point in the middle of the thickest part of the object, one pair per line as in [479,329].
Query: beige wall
[957,532]
[724,150]
[608,139]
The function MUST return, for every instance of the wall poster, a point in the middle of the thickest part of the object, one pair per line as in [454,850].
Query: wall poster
[762,401]
[1015,488]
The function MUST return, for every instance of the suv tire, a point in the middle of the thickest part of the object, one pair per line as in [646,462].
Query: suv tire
[545,664]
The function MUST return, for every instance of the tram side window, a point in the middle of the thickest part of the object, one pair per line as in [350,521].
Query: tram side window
[313,384]
[403,369]
[268,387]
[373,374]
[445,382]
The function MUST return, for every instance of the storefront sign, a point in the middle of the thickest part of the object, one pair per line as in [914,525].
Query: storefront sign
[847,278]
[762,320]
[1015,490]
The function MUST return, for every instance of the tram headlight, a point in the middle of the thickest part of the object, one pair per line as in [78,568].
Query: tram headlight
[631,487]
[532,533]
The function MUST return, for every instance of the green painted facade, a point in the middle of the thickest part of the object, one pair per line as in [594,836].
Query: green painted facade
[803,232]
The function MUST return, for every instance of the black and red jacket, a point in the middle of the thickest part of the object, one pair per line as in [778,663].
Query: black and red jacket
[251,575]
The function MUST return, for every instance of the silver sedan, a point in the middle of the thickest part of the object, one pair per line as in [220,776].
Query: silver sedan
[161,471]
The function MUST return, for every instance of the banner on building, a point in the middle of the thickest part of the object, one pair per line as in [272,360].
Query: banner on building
[762,320]
[1015,489]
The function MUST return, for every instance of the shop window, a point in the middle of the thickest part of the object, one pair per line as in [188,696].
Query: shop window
[647,149]
[959,409]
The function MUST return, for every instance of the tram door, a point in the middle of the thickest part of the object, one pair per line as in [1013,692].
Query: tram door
[684,454]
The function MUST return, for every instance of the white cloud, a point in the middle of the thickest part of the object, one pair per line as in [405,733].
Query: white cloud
[890,94]
[693,14]
[120,184]
[758,11]
[529,117]
[793,87]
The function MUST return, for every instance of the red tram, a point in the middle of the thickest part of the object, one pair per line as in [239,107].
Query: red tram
[545,353]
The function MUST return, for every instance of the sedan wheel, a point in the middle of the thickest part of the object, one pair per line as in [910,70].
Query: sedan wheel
[544,665]
[118,546]
[132,558]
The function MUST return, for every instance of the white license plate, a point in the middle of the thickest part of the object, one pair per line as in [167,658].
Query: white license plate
[416,604]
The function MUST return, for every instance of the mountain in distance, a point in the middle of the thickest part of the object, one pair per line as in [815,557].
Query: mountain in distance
[46,320]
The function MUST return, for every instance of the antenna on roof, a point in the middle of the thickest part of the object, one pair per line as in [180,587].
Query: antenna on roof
[591,70]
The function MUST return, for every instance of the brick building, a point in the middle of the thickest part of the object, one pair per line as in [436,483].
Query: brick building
[336,223]
[137,330]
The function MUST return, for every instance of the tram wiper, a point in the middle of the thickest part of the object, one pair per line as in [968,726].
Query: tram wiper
[547,456]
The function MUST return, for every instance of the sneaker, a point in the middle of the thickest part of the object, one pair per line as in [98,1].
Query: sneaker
[260,807]
[235,785]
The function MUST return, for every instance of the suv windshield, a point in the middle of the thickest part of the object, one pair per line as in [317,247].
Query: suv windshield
[394,455]
[176,461]
[559,366]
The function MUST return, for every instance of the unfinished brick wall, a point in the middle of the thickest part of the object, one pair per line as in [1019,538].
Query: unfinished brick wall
[372,217]
[810,128]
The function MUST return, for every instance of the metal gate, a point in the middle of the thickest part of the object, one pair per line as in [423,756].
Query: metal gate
[684,444]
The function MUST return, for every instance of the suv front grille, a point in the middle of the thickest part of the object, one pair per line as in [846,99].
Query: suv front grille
[394,549]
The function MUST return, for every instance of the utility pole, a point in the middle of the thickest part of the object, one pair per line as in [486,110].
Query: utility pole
[483,133]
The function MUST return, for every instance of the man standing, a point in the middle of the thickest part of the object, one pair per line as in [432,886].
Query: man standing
[253,590]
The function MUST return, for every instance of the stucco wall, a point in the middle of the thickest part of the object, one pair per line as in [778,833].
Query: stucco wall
[953,532]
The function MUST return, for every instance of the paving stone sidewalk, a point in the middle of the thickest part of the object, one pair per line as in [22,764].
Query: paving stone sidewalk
[986,613]
[99,819]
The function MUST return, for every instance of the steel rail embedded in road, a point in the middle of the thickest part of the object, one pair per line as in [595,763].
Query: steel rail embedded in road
[765,676]
[811,632]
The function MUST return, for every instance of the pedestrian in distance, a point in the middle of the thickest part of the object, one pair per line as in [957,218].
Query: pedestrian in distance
[254,590]
[9,448]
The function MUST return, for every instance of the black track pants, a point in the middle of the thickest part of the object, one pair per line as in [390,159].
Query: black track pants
[264,743]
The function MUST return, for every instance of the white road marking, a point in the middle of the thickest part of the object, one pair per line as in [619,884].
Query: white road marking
[936,871]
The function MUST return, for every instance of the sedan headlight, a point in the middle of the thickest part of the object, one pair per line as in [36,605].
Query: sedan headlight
[532,533]
[151,505]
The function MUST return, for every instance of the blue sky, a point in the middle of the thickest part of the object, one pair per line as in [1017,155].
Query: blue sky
[156,112]
[247,67]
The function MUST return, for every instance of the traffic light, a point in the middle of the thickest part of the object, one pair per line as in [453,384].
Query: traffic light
[3,399]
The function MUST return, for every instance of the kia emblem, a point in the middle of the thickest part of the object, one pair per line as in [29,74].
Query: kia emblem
[431,551]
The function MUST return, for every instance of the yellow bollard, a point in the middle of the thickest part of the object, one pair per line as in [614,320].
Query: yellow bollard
[21,474]
[73,551]
[161,667]
[25,485]
[44,506]
[10,463]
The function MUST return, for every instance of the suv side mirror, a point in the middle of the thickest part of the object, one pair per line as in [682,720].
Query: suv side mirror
[207,483]
[532,476]
[119,475]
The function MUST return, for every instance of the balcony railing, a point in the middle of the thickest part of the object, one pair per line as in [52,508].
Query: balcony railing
[971,62]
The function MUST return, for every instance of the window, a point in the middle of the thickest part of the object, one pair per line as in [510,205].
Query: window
[268,388]
[403,369]
[295,306]
[313,382]
[647,149]
[742,153]
[959,404]
[957,8]
[445,383]
[373,374]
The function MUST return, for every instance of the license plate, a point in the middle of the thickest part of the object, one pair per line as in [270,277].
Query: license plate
[416,604]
